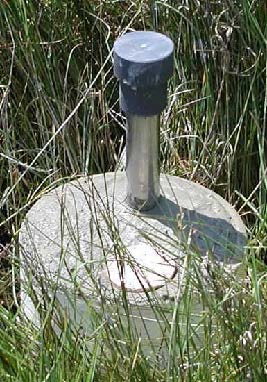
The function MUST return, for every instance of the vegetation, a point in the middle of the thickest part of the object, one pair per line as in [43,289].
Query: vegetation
[60,117]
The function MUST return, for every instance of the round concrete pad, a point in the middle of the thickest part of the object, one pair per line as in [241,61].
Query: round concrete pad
[72,234]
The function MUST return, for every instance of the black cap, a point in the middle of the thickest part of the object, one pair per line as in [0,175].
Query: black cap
[143,63]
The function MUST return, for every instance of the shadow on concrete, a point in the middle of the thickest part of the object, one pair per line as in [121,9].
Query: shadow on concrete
[208,235]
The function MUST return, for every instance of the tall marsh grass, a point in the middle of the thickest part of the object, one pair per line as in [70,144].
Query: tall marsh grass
[60,117]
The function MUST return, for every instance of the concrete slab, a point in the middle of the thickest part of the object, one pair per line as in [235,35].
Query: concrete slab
[84,241]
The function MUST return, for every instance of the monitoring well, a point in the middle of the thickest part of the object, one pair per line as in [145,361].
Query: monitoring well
[105,238]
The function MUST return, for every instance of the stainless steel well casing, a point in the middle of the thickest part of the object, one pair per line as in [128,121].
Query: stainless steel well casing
[142,161]
[143,63]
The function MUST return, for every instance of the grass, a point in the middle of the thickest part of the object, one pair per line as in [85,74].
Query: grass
[60,118]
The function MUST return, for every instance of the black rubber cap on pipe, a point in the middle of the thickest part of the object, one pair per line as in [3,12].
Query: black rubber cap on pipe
[143,63]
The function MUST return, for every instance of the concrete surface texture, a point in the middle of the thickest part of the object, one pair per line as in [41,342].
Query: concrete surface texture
[85,241]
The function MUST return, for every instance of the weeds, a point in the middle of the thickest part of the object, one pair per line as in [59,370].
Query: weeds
[59,117]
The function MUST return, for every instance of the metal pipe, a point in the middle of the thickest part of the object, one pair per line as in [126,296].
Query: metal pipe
[142,161]
[143,63]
